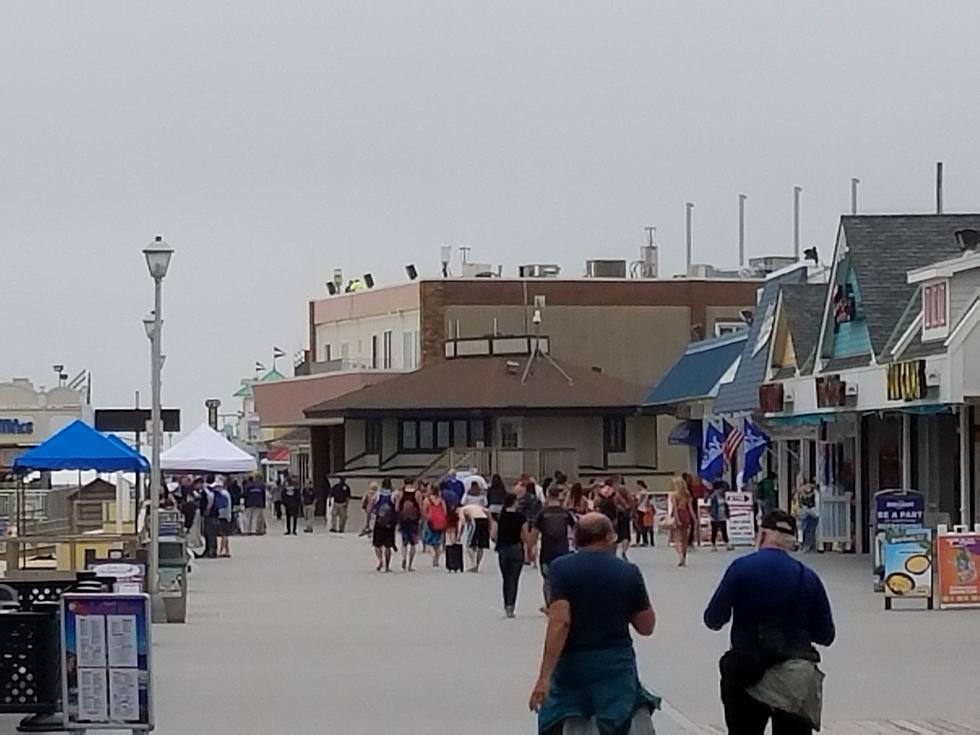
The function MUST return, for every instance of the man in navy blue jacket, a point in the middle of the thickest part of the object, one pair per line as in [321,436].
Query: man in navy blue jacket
[768,596]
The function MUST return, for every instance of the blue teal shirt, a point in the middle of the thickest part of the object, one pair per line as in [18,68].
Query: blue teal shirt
[771,585]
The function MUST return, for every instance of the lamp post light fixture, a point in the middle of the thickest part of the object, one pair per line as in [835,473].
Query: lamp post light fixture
[158,254]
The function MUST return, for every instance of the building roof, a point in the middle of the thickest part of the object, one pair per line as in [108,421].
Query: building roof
[803,304]
[280,403]
[246,390]
[742,394]
[882,249]
[488,385]
[697,373]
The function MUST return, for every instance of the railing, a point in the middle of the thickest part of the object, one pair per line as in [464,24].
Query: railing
[508,463]
[836,526]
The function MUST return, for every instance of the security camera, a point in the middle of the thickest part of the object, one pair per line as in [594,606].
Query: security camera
[536,317]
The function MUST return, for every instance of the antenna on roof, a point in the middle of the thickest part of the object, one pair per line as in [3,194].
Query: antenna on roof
[939,187]
[797,190]
[854,194]
[536,350]
[741,229]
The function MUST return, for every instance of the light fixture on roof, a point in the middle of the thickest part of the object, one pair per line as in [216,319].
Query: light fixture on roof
[811,254]
[331,288]
[411,271]
[368,280]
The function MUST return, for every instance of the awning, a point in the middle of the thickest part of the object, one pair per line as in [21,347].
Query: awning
[697,373]
[80,447]
[804,419]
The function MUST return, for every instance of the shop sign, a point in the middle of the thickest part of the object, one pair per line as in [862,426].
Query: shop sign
[741,519]
[907,381]
[16,426]
[830,391]
[771,398]
[908,562]
[894,509]
[958,560]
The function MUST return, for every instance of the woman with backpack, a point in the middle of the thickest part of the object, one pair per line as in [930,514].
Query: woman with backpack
[385,520]
[436,522]
[409,522]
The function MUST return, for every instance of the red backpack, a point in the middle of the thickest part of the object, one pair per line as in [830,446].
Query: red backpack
[437,517]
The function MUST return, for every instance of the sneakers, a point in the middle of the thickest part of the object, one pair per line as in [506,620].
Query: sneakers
[509,611]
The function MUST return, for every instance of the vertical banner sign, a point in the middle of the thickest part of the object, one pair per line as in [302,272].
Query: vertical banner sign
[894,509]
[741,519]
[213,404]
[105,662]
[958,559]
[908,562]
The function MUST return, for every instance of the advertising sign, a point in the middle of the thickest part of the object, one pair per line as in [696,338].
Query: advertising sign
[958,560]
[105,662]
[741,519]
[894,509]
[908,563]
[907,381]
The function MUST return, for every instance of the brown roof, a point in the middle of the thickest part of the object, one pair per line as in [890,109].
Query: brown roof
[281,402]
[488,385]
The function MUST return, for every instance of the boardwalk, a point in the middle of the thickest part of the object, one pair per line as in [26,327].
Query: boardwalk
[300,635]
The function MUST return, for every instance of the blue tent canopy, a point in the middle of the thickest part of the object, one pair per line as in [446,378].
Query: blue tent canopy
[80,447]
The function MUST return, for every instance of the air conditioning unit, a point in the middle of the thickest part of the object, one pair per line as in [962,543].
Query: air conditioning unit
[932,378]
[480,270]
[539,270]
[850,389]
[605,269]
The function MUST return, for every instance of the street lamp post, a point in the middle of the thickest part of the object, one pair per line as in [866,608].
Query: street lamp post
[157,255]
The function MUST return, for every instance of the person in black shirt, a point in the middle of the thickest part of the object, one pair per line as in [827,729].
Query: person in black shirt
[496,494]
[552,526]
[509,533]
[340,495]
[292,503]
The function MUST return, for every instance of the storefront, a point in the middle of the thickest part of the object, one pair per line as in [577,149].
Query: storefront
[28,416]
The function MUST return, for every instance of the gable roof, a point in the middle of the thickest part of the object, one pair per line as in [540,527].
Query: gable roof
[488,385]
[696,374]
[882,249]
[742,394]
[802,304]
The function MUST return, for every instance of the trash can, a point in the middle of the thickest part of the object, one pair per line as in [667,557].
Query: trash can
[173,577]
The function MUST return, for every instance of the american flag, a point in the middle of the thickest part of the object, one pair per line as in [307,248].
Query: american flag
[732,443]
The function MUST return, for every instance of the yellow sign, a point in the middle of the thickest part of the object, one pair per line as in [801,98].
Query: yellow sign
[907,381]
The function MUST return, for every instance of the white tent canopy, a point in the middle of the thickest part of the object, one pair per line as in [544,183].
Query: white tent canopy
[206,450]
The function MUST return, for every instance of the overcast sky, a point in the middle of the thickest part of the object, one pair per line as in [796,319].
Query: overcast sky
[270,142]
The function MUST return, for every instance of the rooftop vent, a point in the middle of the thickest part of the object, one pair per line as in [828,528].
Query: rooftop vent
[539,270]
[605,269]
[967,239]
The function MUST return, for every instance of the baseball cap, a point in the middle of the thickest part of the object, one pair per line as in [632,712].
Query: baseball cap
[779,520]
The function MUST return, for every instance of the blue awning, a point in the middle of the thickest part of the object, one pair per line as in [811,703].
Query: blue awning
[80,447]
[696,374]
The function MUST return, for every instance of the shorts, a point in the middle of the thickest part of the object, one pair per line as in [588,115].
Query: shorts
[410,532]
[432,538]
[623,528]
[224,528]
[481,534]
[383,538]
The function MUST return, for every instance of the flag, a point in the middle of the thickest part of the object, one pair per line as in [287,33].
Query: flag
[277,353]
[259,367]
[712,459]
[732,443]
[756,441]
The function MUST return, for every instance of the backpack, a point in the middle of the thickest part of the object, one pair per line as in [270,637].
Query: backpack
[438,520]
[221,504]
[410,509]
[385,512]
[607,506]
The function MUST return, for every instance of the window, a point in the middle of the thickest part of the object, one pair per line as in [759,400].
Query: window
[934,306]
[372,436]
[723,328]
[614,434]
[425,435]
[344,351]
[409,435]
[325,353]
[408,350]
[386,346]
[510,437]
[374,352]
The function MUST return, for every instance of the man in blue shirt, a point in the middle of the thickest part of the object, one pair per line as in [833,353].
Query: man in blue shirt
[778,609]
[588,669]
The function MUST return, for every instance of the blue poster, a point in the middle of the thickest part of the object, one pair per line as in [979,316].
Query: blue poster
[106,682]
[899,508]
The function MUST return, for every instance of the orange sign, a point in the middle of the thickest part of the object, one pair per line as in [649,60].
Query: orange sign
[958,561]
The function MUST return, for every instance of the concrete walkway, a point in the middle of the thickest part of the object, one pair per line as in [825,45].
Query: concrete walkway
[301,635]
